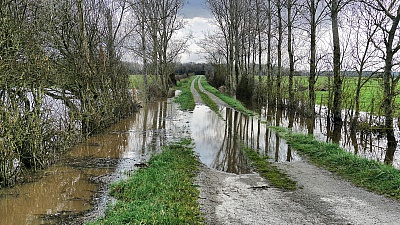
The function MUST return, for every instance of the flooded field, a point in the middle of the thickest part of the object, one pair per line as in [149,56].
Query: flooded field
[76,187]
[369,143]
[78,184]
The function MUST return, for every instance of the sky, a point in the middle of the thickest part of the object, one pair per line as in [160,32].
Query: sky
[199,21]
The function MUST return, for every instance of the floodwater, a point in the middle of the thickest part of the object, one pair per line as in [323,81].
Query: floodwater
[78,184]
[218,140]
[77,187]
[367,143]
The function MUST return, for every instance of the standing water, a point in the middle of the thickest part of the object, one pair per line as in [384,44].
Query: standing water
[75,189]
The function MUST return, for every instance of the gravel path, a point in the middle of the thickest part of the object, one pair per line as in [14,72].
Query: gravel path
[197,98]
[322,198]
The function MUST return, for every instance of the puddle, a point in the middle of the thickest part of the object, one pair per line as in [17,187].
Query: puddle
[218,139]
[60,192]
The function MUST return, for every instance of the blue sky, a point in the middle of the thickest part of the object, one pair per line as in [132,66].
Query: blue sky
[196,8]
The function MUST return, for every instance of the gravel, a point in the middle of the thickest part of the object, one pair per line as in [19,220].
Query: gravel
[322,198]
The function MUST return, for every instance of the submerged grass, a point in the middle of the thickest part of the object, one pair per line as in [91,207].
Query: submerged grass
[162,193]
[372,175]
[185,99]
[272,173]
[236,104]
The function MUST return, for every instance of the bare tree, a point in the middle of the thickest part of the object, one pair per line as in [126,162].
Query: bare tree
[280,40]
[158,22]
[314,13]
[363,54]
[386,16]
[337,83]
[269,50]
[291,15]
[229,17]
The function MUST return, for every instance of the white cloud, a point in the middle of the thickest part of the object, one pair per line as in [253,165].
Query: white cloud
[197,26]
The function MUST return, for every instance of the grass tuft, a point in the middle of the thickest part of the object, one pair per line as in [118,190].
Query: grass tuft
[185,99]
[370,174]
[234,103]
[206,99]
[162,193]
[272,173]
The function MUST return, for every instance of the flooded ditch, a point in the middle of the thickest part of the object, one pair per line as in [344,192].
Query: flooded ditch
[74,190]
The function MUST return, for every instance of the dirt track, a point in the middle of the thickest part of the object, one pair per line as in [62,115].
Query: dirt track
[322,197]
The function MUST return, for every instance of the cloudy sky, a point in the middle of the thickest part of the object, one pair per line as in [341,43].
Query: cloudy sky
[198,19]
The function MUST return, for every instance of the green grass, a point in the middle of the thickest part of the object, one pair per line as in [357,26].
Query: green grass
[162,193]
[369,174]
[371,90]
[206,99]
[136,81]
[236,104]
[266,169]
[185,99]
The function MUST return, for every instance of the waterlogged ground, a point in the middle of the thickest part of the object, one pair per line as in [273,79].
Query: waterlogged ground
[75,190]
[322,198]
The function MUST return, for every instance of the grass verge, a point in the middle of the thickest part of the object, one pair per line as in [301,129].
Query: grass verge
[369,174]
[162,193]
[206,99]
[272,173]
[185,99]
[227,99]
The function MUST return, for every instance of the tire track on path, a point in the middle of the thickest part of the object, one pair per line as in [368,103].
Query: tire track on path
[196,95]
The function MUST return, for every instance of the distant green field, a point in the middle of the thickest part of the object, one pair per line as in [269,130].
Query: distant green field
[135,81]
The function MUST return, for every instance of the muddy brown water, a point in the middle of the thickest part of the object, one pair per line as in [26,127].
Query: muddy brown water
[77,186]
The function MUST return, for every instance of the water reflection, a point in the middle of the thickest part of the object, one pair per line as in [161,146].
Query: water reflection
[365,143]
[218,139]
[61,191]
[67,190]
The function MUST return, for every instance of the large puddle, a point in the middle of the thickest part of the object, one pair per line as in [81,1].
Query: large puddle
[78,184]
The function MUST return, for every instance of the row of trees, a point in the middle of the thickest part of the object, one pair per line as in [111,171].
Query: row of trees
[266,37]
[154,41]
[60,77]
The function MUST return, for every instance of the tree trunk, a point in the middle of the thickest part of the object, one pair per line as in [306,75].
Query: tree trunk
[313,62]
[388,101]
[269,63]
[279,74]
[337,80]
[144,54]
[290,52]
